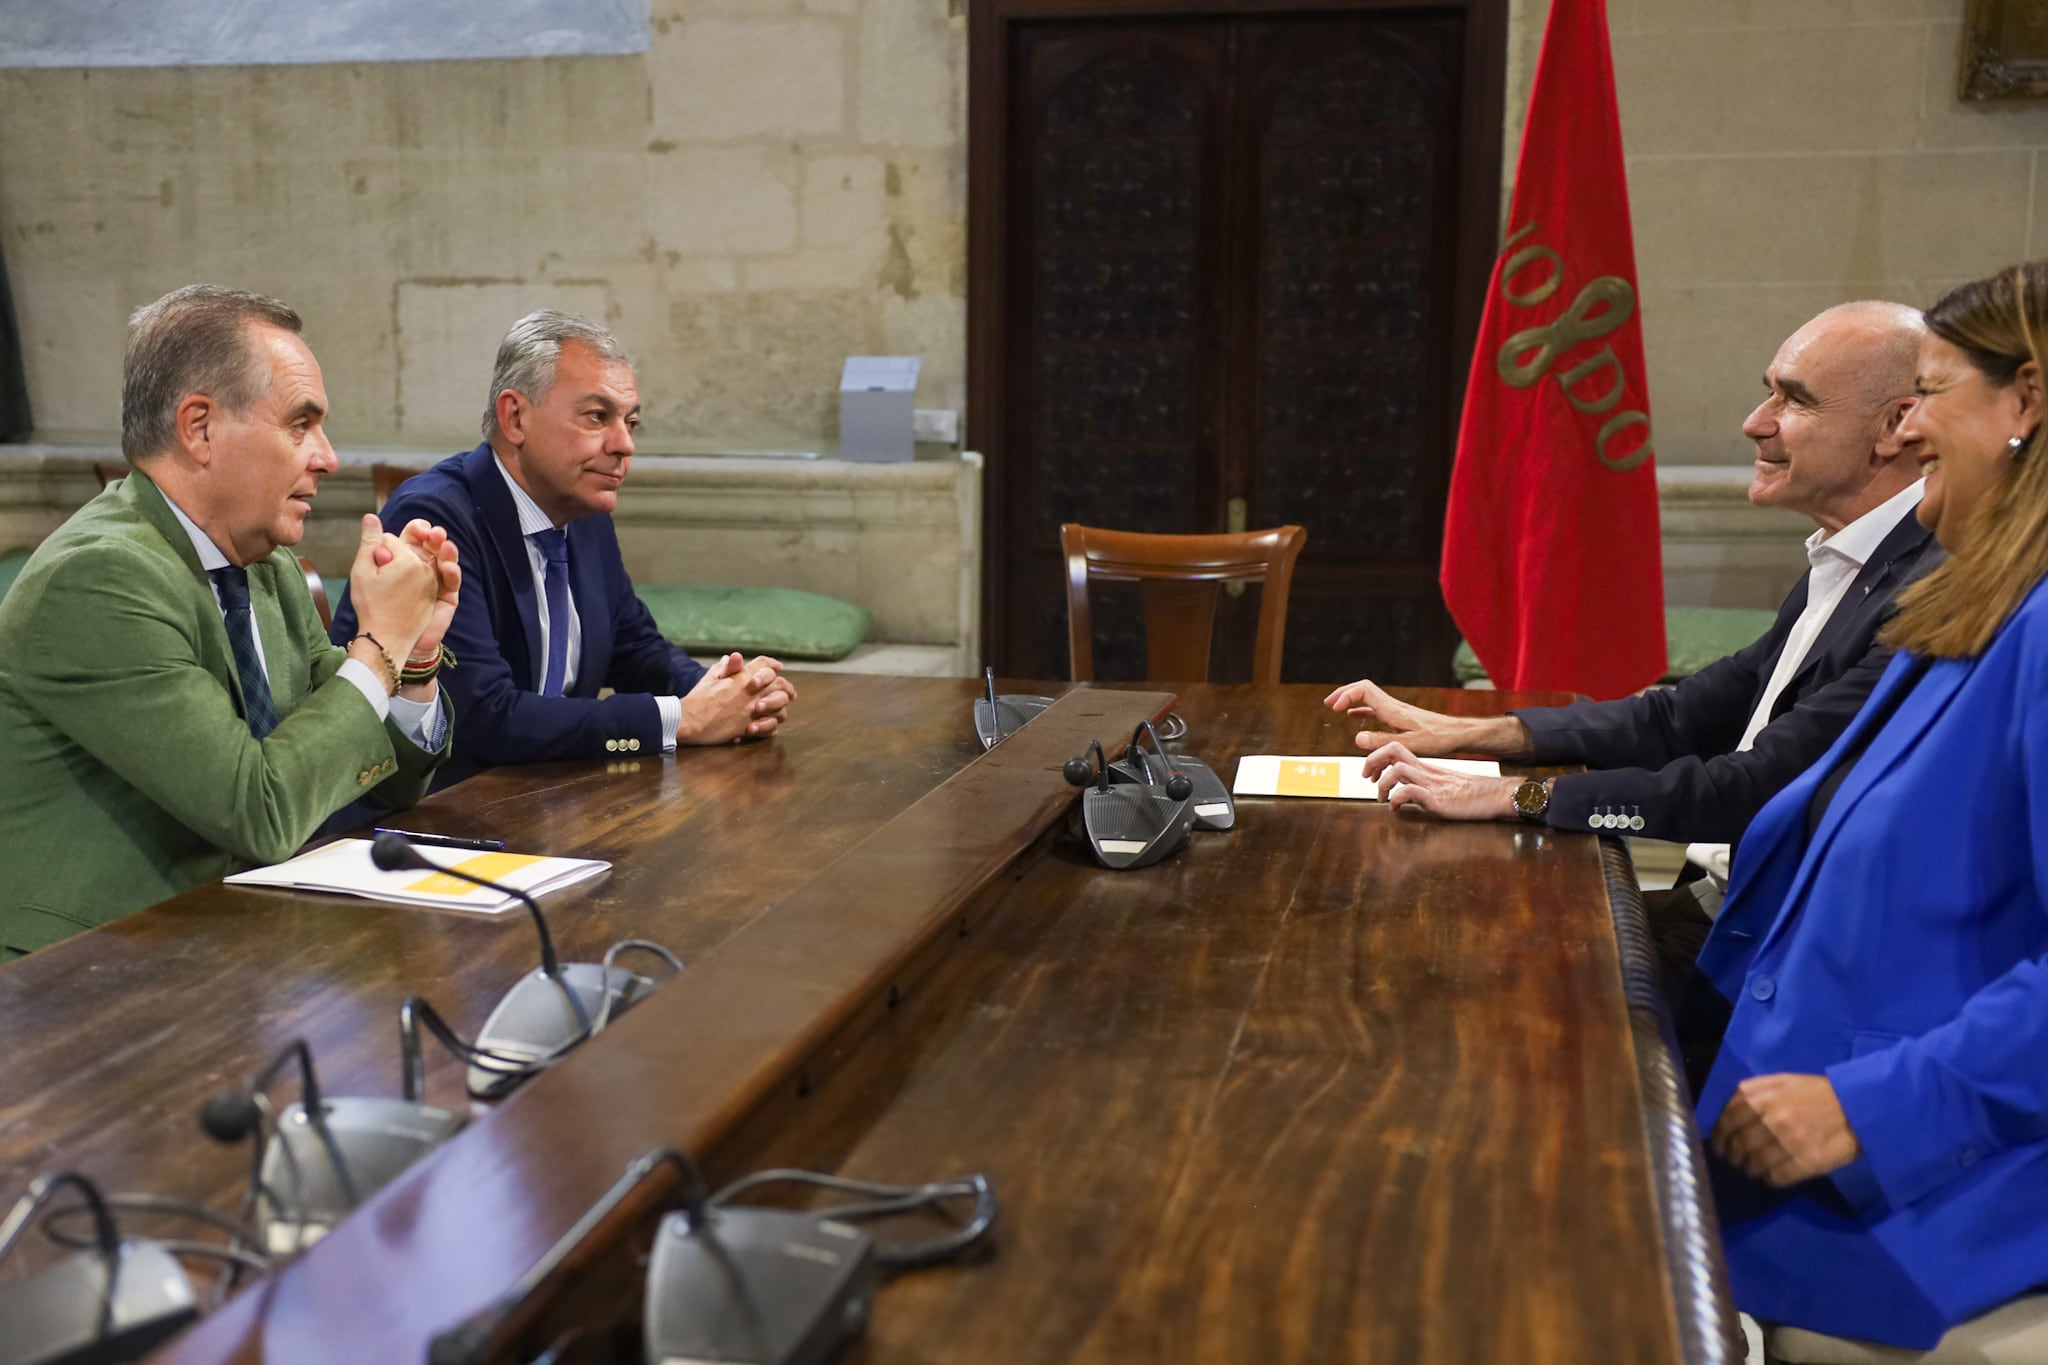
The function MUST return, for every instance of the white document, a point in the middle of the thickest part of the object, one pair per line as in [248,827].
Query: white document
[344,867]
[1329,775]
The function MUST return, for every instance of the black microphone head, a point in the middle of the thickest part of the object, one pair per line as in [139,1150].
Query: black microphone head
[1077,772]
[392,853]
[1178,787]
[230,1116]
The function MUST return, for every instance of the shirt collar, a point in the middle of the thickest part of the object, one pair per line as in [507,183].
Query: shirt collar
[210,557]
[531,518]
[1859,540]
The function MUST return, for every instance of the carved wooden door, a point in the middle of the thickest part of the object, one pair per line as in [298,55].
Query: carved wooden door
[1229,266]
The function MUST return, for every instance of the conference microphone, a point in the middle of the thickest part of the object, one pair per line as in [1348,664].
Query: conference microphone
[117,1301]
[997,718]
[324,1155]
[548,1011]
[1130,823]
[1215,808]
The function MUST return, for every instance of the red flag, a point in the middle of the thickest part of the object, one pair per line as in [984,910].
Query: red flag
[1552,564]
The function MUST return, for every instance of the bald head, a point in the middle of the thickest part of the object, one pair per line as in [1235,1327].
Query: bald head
[1827,433]
[1881,343]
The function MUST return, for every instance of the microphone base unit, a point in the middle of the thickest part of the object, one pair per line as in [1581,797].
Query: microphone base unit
[535,1021]
[377,1139]
[756,1286]
[1132,826]
[53,1317]
[1214,807]
[1011,711]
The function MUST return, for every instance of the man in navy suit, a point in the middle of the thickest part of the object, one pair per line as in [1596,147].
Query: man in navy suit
[1695,762]
[548,616]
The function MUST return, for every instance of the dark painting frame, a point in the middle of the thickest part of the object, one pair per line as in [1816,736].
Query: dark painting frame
[2005,50]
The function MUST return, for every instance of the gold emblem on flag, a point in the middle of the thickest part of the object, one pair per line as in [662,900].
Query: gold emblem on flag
[1598,310]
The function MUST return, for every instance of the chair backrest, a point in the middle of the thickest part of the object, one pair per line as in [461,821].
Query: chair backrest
[385,478]
[1179,578]
[110,472]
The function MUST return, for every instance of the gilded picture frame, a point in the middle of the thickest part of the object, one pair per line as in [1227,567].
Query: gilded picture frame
[2005,50]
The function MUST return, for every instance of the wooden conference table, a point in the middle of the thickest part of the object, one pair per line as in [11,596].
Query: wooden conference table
[1334,1085]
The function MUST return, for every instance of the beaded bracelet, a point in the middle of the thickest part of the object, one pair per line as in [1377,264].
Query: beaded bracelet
[414,673]
[390,664]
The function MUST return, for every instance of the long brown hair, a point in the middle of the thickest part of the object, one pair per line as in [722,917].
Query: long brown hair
[2000,323]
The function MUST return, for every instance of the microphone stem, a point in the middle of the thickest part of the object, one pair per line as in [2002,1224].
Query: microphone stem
[411,1084]
[548,965]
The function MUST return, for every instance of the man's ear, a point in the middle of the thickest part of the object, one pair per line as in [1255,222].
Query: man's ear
[512,417]
[1891,419]
[193,425]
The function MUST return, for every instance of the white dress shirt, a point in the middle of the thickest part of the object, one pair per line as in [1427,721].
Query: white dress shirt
[532,519]
[422,722]
[1836,560]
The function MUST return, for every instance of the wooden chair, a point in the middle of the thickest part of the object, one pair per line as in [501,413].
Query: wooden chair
[1179,578]
[385,478]
[109,472]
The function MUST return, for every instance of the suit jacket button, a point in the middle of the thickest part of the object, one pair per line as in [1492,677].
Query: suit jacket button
[634,745]
[1970,1157]
[1763,988]
[611,746]
[363,778]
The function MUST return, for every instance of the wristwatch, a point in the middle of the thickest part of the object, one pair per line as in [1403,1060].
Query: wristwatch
[1532,799]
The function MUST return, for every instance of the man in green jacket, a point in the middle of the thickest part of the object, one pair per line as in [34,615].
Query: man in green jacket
[170,708]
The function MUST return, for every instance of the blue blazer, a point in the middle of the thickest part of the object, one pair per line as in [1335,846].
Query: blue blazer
[1670,752]
[500,716]
[1900,952]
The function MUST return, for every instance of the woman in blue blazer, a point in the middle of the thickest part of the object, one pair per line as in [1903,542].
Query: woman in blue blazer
[1878,1108]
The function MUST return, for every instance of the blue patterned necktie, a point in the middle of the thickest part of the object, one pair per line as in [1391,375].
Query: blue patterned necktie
[257,707]
[554,553]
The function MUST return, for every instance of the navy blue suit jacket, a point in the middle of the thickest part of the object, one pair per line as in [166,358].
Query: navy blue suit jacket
[1901,950]
[500,716]
[1669,753]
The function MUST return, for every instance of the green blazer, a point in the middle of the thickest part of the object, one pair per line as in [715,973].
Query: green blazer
[127,773]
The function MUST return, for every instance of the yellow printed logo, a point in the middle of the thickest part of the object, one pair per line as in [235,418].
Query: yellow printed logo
[1309,779]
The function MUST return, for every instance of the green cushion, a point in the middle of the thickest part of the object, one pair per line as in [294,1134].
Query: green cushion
[10,569]
[784,622]
[1694,637]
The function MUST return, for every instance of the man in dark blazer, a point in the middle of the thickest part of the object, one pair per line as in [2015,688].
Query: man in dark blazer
[530,510]
[1696,761]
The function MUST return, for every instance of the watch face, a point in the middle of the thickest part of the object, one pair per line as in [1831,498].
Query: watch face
[1529,798]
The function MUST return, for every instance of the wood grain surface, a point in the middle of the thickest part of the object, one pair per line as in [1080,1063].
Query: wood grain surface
[1335,1085]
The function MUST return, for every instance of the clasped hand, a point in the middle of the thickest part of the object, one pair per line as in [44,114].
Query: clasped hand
[1785,1128]
[404,587]
[736,699]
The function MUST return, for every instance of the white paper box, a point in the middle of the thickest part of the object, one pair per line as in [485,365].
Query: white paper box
[876,397]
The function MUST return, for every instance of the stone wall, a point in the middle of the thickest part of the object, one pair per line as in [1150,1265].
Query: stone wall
[775,185]
[1784,155]
[779,183]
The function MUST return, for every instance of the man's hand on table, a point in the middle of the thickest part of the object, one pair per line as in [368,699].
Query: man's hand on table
[736,699]
[1784,1129]
[1406,781]
[1429,734]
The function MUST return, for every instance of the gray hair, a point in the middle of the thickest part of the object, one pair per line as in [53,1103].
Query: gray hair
[192,340]
[530,351]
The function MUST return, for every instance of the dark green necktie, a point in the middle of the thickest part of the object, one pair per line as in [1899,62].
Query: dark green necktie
[257,707]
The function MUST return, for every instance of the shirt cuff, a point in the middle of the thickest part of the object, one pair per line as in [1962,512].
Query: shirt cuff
[671,709]
[367,683]
[422,722]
